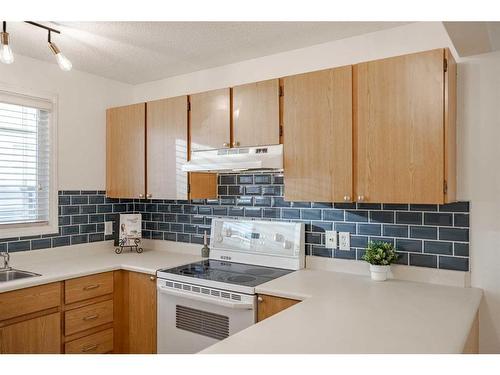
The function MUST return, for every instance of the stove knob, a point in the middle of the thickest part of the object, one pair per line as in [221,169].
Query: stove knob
[286,244]
[219,238]
[278,237]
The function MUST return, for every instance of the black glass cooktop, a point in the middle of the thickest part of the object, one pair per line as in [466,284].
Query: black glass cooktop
[228,272]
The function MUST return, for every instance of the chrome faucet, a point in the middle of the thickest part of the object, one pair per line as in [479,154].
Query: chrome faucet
[6,258]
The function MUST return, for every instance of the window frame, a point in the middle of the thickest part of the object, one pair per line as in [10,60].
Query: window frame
[52,226]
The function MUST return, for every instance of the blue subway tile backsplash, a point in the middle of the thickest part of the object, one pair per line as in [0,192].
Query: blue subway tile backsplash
[424,235]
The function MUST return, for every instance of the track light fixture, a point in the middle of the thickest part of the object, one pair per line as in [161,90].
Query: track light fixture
[62,60]
[6,55]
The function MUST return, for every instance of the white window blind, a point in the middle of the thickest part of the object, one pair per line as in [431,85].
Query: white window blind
[24,159]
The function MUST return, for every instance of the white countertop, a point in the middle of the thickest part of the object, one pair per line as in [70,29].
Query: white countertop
[340,312]
[344,313]
[74,261]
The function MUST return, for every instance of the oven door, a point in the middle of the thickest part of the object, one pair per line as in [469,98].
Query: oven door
[191,318]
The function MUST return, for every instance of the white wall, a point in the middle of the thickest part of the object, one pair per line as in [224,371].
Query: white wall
[82,99]
[478,135]
[479,182]
[406,39]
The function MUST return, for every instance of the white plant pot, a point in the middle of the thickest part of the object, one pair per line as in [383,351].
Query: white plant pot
[379,273]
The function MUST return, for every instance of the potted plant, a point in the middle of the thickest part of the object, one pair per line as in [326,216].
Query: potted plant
[380,255]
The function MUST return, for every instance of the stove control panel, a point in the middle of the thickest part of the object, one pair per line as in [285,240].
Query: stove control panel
[265,238]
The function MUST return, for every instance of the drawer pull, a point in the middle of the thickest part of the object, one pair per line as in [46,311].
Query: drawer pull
[91,317]
[90,287]
[89,348]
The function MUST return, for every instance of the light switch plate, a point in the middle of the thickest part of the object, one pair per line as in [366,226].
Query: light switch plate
[108,228]
[345,241]
[331,239]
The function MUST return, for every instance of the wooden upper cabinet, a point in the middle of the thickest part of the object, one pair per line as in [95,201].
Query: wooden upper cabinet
[210,120]
[400,131]
[125,151]
[317,135]
[167,136]
[256,114]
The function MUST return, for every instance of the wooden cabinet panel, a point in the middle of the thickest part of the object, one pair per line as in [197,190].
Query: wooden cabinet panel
[125,151]
[29,300]
[202,185]
[88,317]
[270,305]
[399,132]
[141,313]
[167,148]
[256,114]
[87,287]
[317,135]
[210,120]
[40,335]
[450,128]
[98,343]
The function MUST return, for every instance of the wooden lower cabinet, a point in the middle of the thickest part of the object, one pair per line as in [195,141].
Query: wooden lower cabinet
[270,305]
[41,335]
[97,343]
[112,312]
[135,313]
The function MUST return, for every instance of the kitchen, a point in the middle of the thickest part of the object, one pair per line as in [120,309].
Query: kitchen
[181,204]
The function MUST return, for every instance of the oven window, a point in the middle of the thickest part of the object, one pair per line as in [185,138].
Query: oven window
[202,322]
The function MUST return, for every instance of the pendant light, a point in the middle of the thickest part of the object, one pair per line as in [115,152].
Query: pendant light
[6,55]
[62,60]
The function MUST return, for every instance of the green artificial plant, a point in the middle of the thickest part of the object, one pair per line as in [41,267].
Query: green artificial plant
[380,253]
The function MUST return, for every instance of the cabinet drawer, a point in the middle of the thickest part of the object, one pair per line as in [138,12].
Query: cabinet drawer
[29,300]
[88,287]
[88,317]
[98,343]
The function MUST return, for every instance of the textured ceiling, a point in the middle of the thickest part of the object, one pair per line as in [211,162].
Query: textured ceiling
[138,52]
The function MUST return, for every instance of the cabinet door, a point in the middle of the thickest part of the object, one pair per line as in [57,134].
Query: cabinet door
[125,151]
[256,114]
[317,135]
[167,127]
[270,305]
[34,336]
[141,313]
[399,129]
[210,120]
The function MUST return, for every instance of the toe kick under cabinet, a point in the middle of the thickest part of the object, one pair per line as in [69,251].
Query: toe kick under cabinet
[110,312]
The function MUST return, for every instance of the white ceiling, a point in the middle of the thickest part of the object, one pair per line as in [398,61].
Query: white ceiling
[138,52]
[473,38]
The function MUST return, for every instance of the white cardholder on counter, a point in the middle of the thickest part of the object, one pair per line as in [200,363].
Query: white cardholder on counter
[130,232]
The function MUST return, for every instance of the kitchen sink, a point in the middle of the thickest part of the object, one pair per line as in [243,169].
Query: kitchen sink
[13,274]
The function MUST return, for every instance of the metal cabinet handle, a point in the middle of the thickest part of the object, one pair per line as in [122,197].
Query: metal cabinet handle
[236,144]
[260,299]
[89,348]
[361,198]
[225,144]
[90,287]
[149,196]
[152,278]
[347,198]
[91,317]
[141,195]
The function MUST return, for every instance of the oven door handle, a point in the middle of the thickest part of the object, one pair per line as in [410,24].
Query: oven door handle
[201,298]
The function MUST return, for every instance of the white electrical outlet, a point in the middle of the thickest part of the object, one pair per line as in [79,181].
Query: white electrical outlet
[108,228]
[331,239]
[344,241]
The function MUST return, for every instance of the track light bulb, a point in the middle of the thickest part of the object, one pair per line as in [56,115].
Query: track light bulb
[6,55]
[62,60]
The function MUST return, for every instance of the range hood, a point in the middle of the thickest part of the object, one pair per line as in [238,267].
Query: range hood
[236,159]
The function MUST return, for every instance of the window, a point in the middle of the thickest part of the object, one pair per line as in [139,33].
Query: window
[27,169]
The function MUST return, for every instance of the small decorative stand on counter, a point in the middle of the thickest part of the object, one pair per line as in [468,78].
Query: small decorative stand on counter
[129,233]
[125,242]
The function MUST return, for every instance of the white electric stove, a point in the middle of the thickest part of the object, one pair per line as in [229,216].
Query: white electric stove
[204,302]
